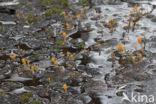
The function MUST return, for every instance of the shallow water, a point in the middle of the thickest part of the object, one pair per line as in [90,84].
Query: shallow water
[119,11]
[9,3]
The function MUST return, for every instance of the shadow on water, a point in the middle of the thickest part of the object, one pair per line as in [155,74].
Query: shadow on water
[33,82]
[8,11]
[83,34]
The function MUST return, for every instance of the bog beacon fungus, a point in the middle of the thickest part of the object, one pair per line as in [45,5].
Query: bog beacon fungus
[119,47]
[12,56]
[53,60]
[65,87]
[64,35]
[139,40]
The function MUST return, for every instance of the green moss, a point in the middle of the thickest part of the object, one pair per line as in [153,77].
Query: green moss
[84,1]
[82,44]
[60,3]
[129,59]
[26,97]
[58,43]
[50,31]
[65,3]
[1,29]
[30,18]
[36,102]
[48,12]
[57,11]
[2,94]
[55,6]
[29,94]
[44,3]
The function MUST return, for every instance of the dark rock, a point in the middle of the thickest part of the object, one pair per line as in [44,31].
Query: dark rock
[120,93]
[95,99]
[139,90]
[8,11]
[9,86]
[98,9]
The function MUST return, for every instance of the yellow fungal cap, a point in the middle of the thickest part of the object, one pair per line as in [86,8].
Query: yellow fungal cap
[49,79]
[63,43]
[111,20]
[67,24]
[12,56]
[28,62]
[68,53]
[143,34]
[32,68]
[56,62]
[64,13]
[85,7]
[82,11]
[65,87]
[36,66]
[133,59]
[139,40]
[119,47]
[53,60]
[74,74]
[135,47]
[64,34]
[99,45]
[23,61]
[140,5]
[140,55]
[71,56]
[78,15]
[112,53]
[84,47]
[124,48]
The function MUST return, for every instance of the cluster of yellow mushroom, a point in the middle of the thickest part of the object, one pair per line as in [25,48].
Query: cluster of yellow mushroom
[12,56]
[135,9]
[55,62]
[135,15]
[67,16]
[64,34]
[65,87]
[71,57]
[120,48]
[82,12]
[27,63]
[49,79]
[111,20]
[98,45]
[139,40]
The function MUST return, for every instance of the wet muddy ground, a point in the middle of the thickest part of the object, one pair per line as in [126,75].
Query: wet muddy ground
[89,59]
